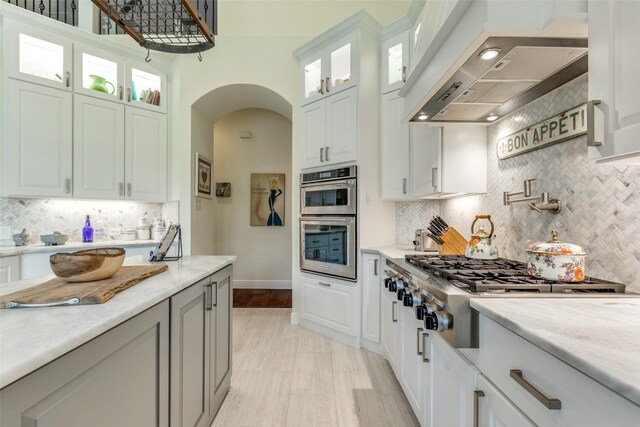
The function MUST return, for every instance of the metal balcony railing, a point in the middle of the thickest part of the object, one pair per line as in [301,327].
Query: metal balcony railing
[61,10]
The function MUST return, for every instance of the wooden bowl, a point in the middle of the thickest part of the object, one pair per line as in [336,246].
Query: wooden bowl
[87,265]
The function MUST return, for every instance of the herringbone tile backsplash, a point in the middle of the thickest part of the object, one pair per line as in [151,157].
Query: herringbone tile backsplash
[601,204]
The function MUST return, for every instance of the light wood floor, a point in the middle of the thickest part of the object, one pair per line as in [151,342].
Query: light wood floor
[286,375]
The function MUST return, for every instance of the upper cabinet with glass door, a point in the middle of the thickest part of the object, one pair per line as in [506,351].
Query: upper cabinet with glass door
[98,73]
[331,69]
[38,56]
[145,87]
[395,61]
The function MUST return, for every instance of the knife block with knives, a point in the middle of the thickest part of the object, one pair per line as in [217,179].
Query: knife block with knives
[449,240]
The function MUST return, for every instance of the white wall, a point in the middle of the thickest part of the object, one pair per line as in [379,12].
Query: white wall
[266,252]
[201,223]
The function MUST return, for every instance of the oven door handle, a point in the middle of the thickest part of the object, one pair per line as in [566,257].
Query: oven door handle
[331,185]
[325,219]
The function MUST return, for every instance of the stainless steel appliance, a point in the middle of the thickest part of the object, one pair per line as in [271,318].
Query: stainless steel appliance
[329,192]
[423,241]
[328,231]
[439,289]
[328,245]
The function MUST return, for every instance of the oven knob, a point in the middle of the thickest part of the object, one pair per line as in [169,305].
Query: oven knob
[421,311]
[401,293]
[393,286]
[407,300]
[438,321]
[387,281]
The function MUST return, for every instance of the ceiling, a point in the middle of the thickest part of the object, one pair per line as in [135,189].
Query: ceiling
[282,18]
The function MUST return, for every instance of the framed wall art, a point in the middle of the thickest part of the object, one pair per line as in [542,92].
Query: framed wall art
[223,189]
[267,199]
[203,176]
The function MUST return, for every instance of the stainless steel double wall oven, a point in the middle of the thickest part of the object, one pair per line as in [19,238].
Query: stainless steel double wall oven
[328,222]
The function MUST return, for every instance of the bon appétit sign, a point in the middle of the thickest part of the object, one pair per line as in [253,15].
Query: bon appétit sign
[555,129]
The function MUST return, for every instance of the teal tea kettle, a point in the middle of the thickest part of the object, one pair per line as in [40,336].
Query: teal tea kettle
[99,83]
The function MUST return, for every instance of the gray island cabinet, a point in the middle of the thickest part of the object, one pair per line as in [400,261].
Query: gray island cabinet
[169,365]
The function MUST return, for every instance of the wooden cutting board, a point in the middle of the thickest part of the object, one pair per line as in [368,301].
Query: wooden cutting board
[97,292]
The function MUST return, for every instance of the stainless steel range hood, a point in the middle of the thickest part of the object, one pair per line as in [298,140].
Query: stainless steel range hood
[522,70]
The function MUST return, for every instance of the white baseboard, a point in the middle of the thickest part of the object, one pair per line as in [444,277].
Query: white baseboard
[338,336]
[262,284]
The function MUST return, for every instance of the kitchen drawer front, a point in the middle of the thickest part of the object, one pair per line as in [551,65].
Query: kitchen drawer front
[584,401]
[330,303]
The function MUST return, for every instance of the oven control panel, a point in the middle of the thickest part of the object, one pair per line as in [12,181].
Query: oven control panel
[328,175]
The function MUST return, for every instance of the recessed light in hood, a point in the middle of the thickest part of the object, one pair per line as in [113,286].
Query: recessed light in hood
[524,69]
[489,54]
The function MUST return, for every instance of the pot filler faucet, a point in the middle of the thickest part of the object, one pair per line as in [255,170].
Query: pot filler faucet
[537,203]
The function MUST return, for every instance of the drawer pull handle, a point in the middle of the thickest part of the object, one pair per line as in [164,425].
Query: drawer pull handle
[477,394]
[393,311]
[549,403]
[425,359]
[328,285]
[418,342]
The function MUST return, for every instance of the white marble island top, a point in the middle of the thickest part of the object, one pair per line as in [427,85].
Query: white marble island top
[598,336]
[33,337]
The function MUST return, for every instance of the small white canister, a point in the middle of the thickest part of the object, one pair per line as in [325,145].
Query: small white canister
[157,232]
[128,234]
[144,233]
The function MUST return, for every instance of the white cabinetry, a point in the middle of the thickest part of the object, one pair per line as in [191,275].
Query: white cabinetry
[453,381]
[454,163]
[394,144]
[9,269]
[371,285]
[390,328]
[331,303]
[547,390]
[395,62]
[37,56]
[37,147]
[145,155]
[411,361]
[330,69]
[614,67]
[98,149]
[119,152]
[329,128]
[493,409]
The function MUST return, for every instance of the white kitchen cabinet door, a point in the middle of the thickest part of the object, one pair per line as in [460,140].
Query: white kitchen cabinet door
[313,70]
[390,328]
[37,56]
[145,87]
[411,350]
[330,303]
[614,67]
[221,339]
[394,155]
[452,385]
[145,155]
[395,62]
[371,284]
[98,149]
[342,127]
[37,155]
[9,269]
[426,160]
[342,64]
[493,409]
[98,73]
[312,132]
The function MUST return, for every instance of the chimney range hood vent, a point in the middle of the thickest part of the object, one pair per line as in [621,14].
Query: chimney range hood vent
[519,70]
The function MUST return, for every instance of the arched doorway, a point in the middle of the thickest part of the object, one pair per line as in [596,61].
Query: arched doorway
[221,225]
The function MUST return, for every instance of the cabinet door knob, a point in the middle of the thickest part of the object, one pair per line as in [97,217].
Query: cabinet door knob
[321,86]
[326,153]
[326,86]
[120,92]
[67,80]
[322,154]
[434,178]
[404,185]
[128,94]
[404,73]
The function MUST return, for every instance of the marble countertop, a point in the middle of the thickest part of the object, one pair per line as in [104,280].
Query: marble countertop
[393,251]
[71,246]
[33,337]
[598,336]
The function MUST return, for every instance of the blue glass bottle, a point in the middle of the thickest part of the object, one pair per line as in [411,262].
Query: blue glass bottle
[87,231]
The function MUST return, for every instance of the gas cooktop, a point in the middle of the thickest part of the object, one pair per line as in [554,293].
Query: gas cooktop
[503,276]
